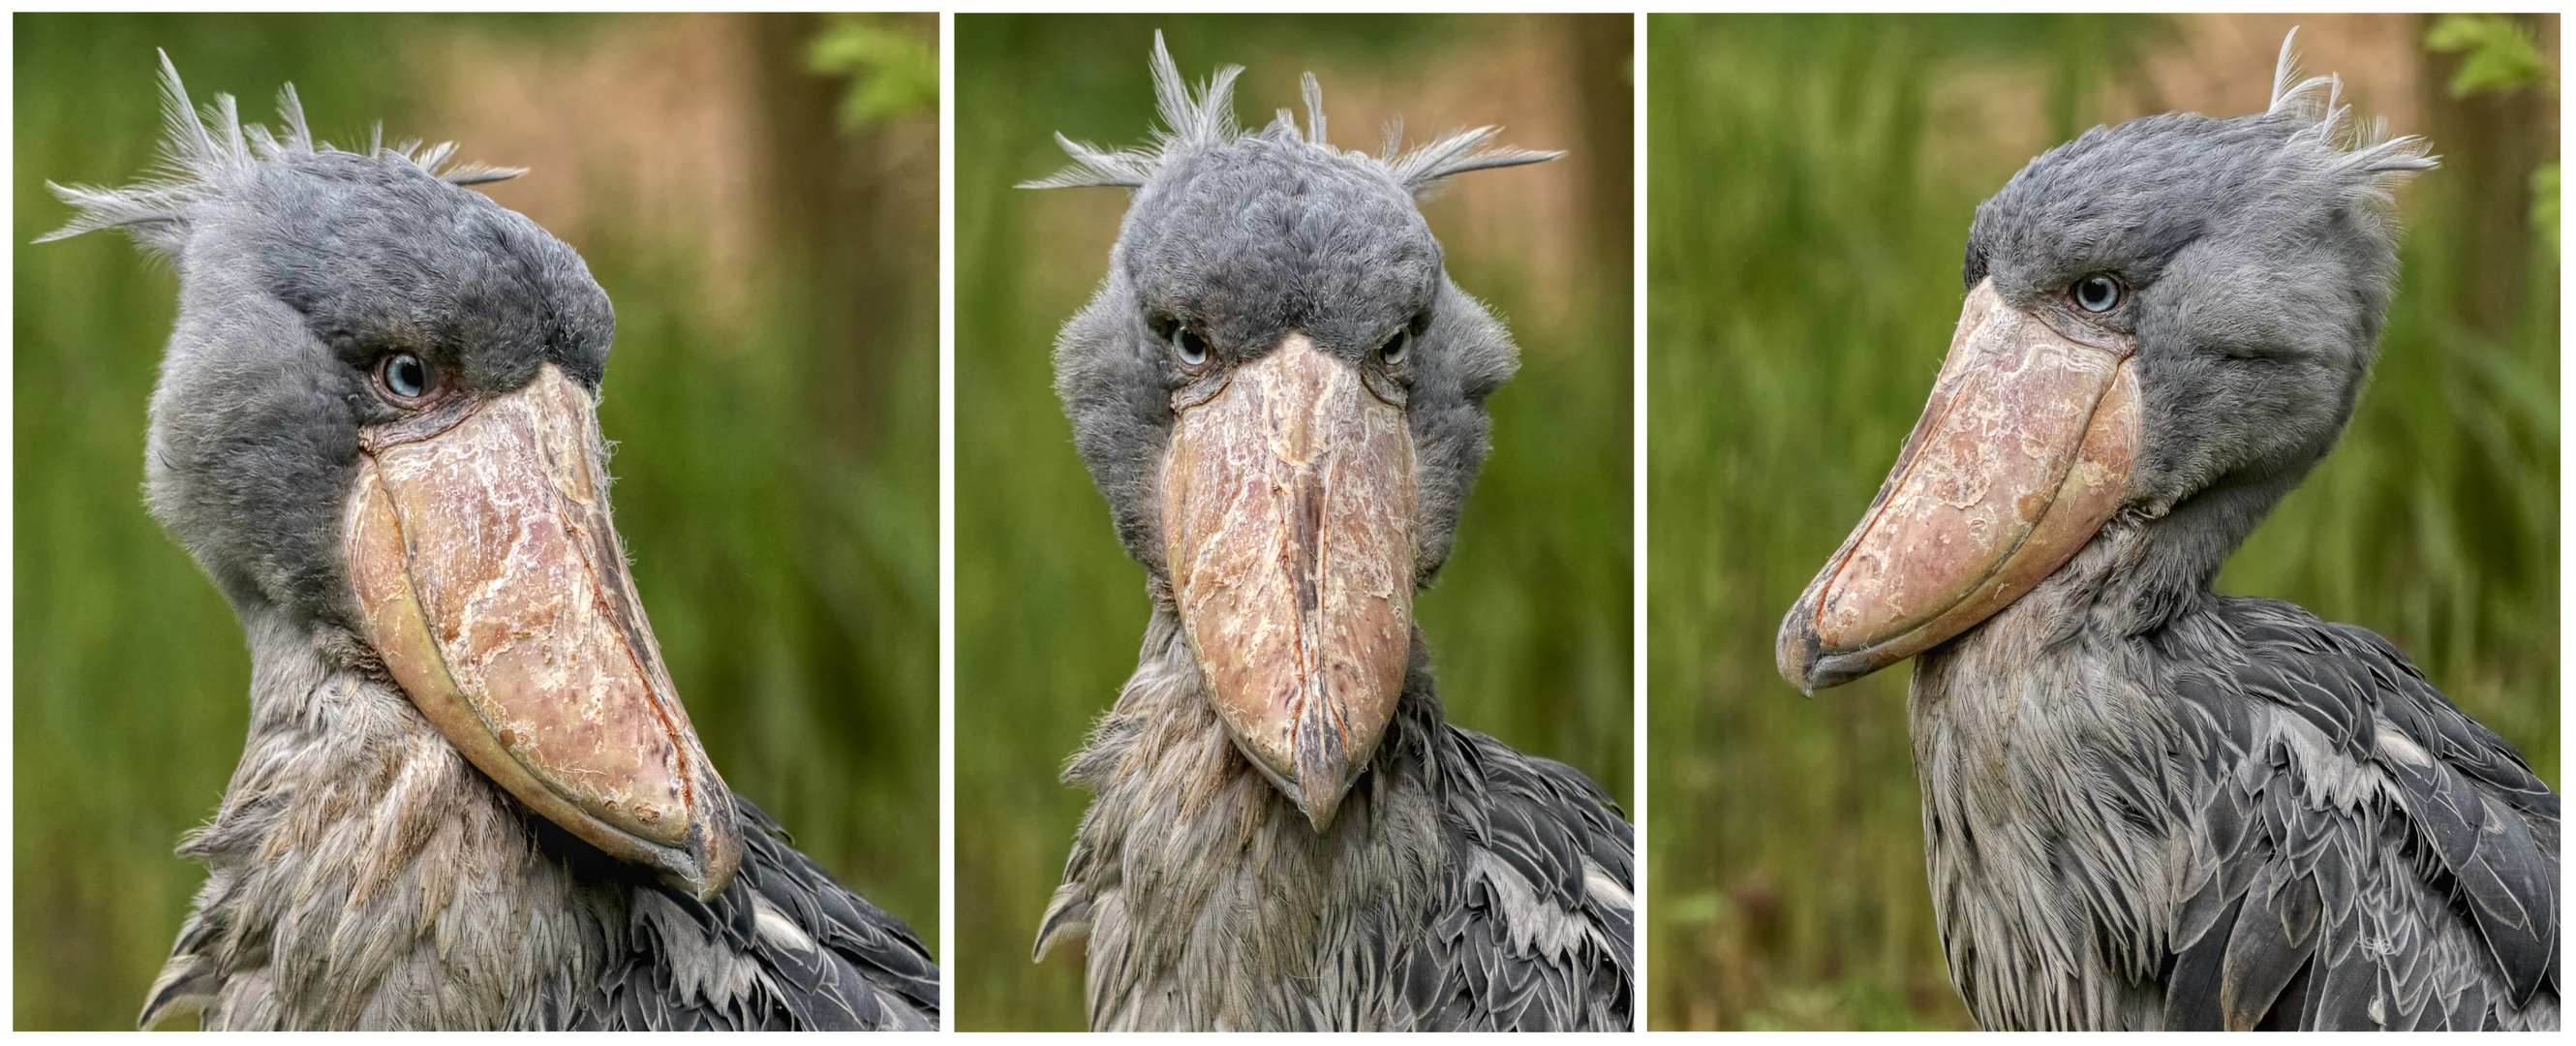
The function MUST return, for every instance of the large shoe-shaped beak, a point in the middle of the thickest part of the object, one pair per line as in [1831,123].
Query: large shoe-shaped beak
[493,585]
[1288,516]
[2023,452]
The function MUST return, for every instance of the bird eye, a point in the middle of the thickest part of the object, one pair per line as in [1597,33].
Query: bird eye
[404,375]
[1191,348]
[2097,293]
[1396,347]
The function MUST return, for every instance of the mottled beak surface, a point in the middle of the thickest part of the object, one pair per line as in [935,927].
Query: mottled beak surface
[2023,452]
[493,584]
[1288,525]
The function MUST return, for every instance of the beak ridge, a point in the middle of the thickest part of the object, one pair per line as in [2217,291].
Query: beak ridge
[2022,453]
[1288,515]
[491,583]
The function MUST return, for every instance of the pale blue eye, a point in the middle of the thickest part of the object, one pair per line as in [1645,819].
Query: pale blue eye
[1191,348]
[1395,348]
[2097,293]
[406,376]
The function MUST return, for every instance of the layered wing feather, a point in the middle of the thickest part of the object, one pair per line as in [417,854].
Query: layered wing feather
[786,948]
[2366,856]
[1540,931]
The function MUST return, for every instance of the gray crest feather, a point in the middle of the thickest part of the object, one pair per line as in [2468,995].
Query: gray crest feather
[205,153]
[1314,94]
[1205,119]
[1459,152]
[2364,148]
[1190,120]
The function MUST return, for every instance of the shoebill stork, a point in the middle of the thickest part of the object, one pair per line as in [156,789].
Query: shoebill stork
[470,797]
[2146,804]
[1281,395]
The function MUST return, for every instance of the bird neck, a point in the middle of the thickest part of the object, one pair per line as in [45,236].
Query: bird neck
[361,873]
[2163,564]
[2012,725]
[1210,900]
[2030,733]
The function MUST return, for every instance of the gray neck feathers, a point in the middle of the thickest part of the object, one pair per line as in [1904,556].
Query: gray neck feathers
[2077,756]
[1209,900]
[2011,725]
[2106,778]
[2169,562]
[363,874]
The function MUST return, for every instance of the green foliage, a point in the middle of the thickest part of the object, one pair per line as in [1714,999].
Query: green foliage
[783,526]
[1529,627]
[2544,203]
[1811,182]
[2500,53]
[893,72]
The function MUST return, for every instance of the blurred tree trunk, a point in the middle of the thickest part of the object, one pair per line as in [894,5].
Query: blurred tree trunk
[849,211]
[1601,51]
[2488,153]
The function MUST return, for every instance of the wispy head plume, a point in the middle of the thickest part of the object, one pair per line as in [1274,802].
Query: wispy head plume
[1204,119]
[2359,148]
[206,153]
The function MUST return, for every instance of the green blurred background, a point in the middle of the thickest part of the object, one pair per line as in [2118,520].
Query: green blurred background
[1530,625]
[1811,183]
[770,241]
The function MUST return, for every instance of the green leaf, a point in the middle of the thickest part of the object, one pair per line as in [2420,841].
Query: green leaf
[893,73]
[2501,55]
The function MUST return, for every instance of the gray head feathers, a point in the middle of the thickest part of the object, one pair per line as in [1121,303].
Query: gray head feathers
[2129,197]
[1204,119]
[301,268]
[2259,256]
[207,153]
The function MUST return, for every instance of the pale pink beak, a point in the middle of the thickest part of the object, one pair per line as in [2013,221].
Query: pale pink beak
[1288,524]
[2022,454]
[491,581]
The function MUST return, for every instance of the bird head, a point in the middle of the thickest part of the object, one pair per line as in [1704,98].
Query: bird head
[2167,321]
[374,422]
[1281,395]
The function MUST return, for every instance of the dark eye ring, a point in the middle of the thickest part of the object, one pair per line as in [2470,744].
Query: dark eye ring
[2100,292]
[405,377]
[1396,348]
[1191,348]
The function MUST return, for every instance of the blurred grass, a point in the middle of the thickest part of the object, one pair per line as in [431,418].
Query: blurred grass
[1530,624]
[776,464]
[1811,184]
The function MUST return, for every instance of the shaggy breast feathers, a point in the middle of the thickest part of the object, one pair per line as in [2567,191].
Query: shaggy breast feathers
[1469,886]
